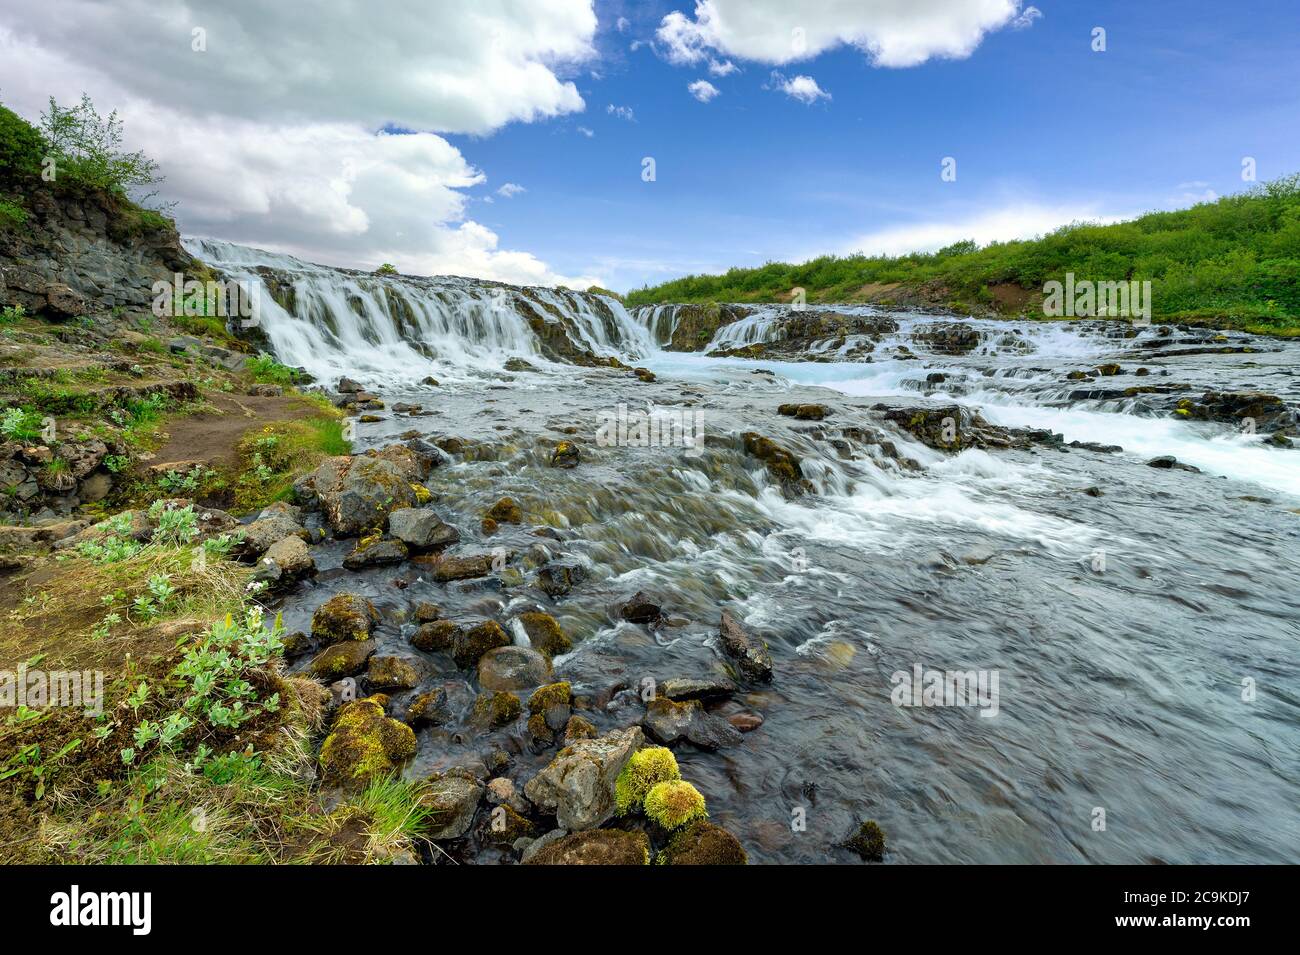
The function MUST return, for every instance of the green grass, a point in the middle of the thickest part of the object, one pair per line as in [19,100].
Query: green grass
[265,369]
[1235,261]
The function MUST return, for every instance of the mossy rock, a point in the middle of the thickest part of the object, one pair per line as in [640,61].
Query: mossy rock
[495,710]
[780,463]
[469,645]
[505,825]
[505,511]
[429,709]
[868,841]
[579,727]
[553,694]
[596,847]
[703,843]
[342,659]
[344,617]
[435,636]
[364,745]
[545,633]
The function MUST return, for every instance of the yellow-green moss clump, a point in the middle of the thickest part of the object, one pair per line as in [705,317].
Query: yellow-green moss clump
[702,843]
[674,803]
[364,745]
[644,770]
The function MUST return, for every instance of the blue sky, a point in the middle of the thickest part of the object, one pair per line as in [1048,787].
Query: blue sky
[1040,125]
[274,129]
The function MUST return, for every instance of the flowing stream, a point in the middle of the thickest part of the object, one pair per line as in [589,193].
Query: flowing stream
[1143,624]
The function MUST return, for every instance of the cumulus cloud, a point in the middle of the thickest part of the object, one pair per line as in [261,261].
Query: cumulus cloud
[620,112]
[268,124]
[510,190]
[893,33]
[703,90]
[722,67]
[587,131]
[1021,220]
[1025,19]
[802,88]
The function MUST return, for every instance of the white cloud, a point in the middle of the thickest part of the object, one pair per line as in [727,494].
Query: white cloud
[586,131]
[620,112]
[621,24]
[1022,220]
[703,90]
[894,33]
[1025,19]
[1193,193]
[510,190]
[722,67]
[269,137]
[802,88]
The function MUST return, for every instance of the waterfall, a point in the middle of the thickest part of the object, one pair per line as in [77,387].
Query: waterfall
[396,328]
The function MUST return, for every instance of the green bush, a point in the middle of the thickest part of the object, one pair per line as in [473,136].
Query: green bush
[21,147]
[88,149]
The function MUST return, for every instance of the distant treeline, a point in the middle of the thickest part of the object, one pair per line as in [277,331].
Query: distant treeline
[1236,260]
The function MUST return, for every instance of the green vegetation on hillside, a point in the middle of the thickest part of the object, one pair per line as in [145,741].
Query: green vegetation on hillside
[1233,262]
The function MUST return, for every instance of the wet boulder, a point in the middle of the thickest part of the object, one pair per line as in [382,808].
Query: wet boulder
[565,455]
[1254,409]
[436,635]
[545,633]
[464,568]
[557,579]
[421,529]
[285,561]
[688,688]
[749,652]
[948,338]
[469,645]
[505,511]
[386,673]
[670,722]
[639,608]
[512,668]
[781,464]
[375,550]
[804,412]
[494,710]
[578,784]
[429,709]
[341,660]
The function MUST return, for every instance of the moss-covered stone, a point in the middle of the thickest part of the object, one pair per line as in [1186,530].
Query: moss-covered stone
[702,843]
[364,745]
[868,841]
[342,659]
[545,633]
[344,617]
[437,635]
[505,511]
[495,710]
[429,709]
[505,825]
[674,803]
[596,847]
[780,463]
[469,645]
[551,695]
[579,727]
[644,770]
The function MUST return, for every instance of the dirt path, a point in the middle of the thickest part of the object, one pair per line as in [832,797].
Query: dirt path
[210,438]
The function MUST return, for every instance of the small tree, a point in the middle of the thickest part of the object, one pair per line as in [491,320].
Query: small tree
[87,148]
[386,269]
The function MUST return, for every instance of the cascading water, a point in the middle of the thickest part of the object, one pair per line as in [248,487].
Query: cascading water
[386,329]
[1121,605]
